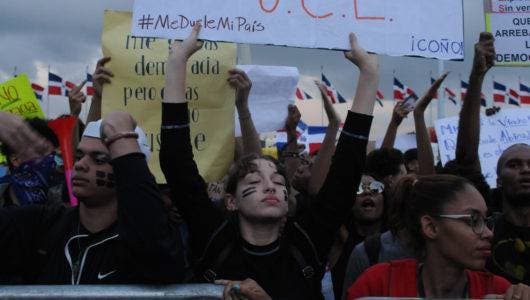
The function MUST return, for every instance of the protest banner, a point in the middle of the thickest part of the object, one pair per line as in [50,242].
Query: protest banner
[497,132]
[403,142]
[17,97]
[509,22]
[272,90]
[139,66]
[431,28]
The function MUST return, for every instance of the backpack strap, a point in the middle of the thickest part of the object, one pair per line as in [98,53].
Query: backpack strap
[210,275]
[372,246]
[307,270]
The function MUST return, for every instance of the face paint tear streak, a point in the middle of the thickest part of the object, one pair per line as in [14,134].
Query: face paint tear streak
[247,192]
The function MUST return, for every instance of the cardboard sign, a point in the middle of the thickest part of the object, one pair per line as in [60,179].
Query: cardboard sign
[431,28]
[137,87]
[509,22]
[497,132]
[272,90]
[17,97]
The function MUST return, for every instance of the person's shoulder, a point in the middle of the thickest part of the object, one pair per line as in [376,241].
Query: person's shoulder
[488,282]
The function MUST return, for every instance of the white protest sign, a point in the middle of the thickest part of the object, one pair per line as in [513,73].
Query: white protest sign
[509,22]
[510,6]
[272,90]
[431,28]
[497,132]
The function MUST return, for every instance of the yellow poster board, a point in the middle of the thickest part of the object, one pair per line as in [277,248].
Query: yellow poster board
[17,97]
[137,87]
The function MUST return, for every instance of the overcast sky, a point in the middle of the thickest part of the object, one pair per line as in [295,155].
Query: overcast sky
[65,35]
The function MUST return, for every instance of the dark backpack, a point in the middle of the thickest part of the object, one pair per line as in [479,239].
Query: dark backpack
[372,246]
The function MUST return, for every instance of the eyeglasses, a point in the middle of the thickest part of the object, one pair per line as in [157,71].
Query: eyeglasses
[476,221]
[375,187]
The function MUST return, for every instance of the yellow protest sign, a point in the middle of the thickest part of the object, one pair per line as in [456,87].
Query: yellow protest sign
[139,67]
[17,97]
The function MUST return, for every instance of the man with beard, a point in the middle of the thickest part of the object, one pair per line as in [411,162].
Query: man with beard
[511,243]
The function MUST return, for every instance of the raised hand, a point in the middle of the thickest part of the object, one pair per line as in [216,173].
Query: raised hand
[422,104]
[76,98]
[293,117]
[484,54]
[101,76]
[239,80]
[362,59]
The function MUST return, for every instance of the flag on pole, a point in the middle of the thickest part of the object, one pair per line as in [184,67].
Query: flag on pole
[379,97]
[39,91]
[451,95]
[333,94]
[68,87]
[301,95]
[499,92]
[314,138]
[89,85]
[55,84]
[402,91]
[513,97]
[524,94]
[281,135]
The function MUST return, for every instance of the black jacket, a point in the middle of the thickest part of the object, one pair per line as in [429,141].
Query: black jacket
[295,266]
[41,245]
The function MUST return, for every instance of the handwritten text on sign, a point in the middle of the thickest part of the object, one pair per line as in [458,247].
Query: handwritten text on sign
[17,97]
[509,22]
[431,28]
[497,132]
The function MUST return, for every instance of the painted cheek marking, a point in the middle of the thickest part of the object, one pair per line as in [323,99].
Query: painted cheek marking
[285,194]
[100,174]
[100,182]
[249,191]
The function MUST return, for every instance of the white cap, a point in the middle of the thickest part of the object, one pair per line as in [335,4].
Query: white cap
[93,129]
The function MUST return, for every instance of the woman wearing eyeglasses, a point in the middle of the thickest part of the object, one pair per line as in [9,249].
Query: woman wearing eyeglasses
[445,217]
[367,218]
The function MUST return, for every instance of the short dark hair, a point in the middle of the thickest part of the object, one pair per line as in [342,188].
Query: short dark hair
[502,158]
[42,128]
[383,162]
[410,155]
[415,196]
[246,165]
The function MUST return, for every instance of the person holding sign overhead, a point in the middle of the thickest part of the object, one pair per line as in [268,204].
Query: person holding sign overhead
[285,257]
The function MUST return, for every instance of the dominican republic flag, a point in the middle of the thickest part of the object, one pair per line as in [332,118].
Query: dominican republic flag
[499,92]
[435,94]
[379,97]
[89,85]
[401,91]
[463,91]
[314,138]
[68,87]
[300,95]
[450,95]
[39,91]
[524,94]
[513,97]
[333,94]
[281,135]
[55,84]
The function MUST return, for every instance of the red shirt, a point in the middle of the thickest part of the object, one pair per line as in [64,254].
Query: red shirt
[398,279]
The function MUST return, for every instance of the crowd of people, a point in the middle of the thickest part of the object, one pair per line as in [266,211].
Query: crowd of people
[384,223]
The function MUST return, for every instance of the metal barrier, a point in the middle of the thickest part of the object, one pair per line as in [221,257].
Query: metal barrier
[175,291]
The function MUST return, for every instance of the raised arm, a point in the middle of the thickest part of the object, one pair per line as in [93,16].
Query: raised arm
[398,114]
[322,161]
[469,123]
[425,156]
[335,199]
[152,244]
[239,80]
[290,151]
[188,189]
[101,76]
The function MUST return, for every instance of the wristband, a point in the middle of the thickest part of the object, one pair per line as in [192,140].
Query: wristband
[121,135]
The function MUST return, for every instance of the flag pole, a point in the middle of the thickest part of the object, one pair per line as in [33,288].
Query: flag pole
[321,102]
[441,99]
[48,98]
